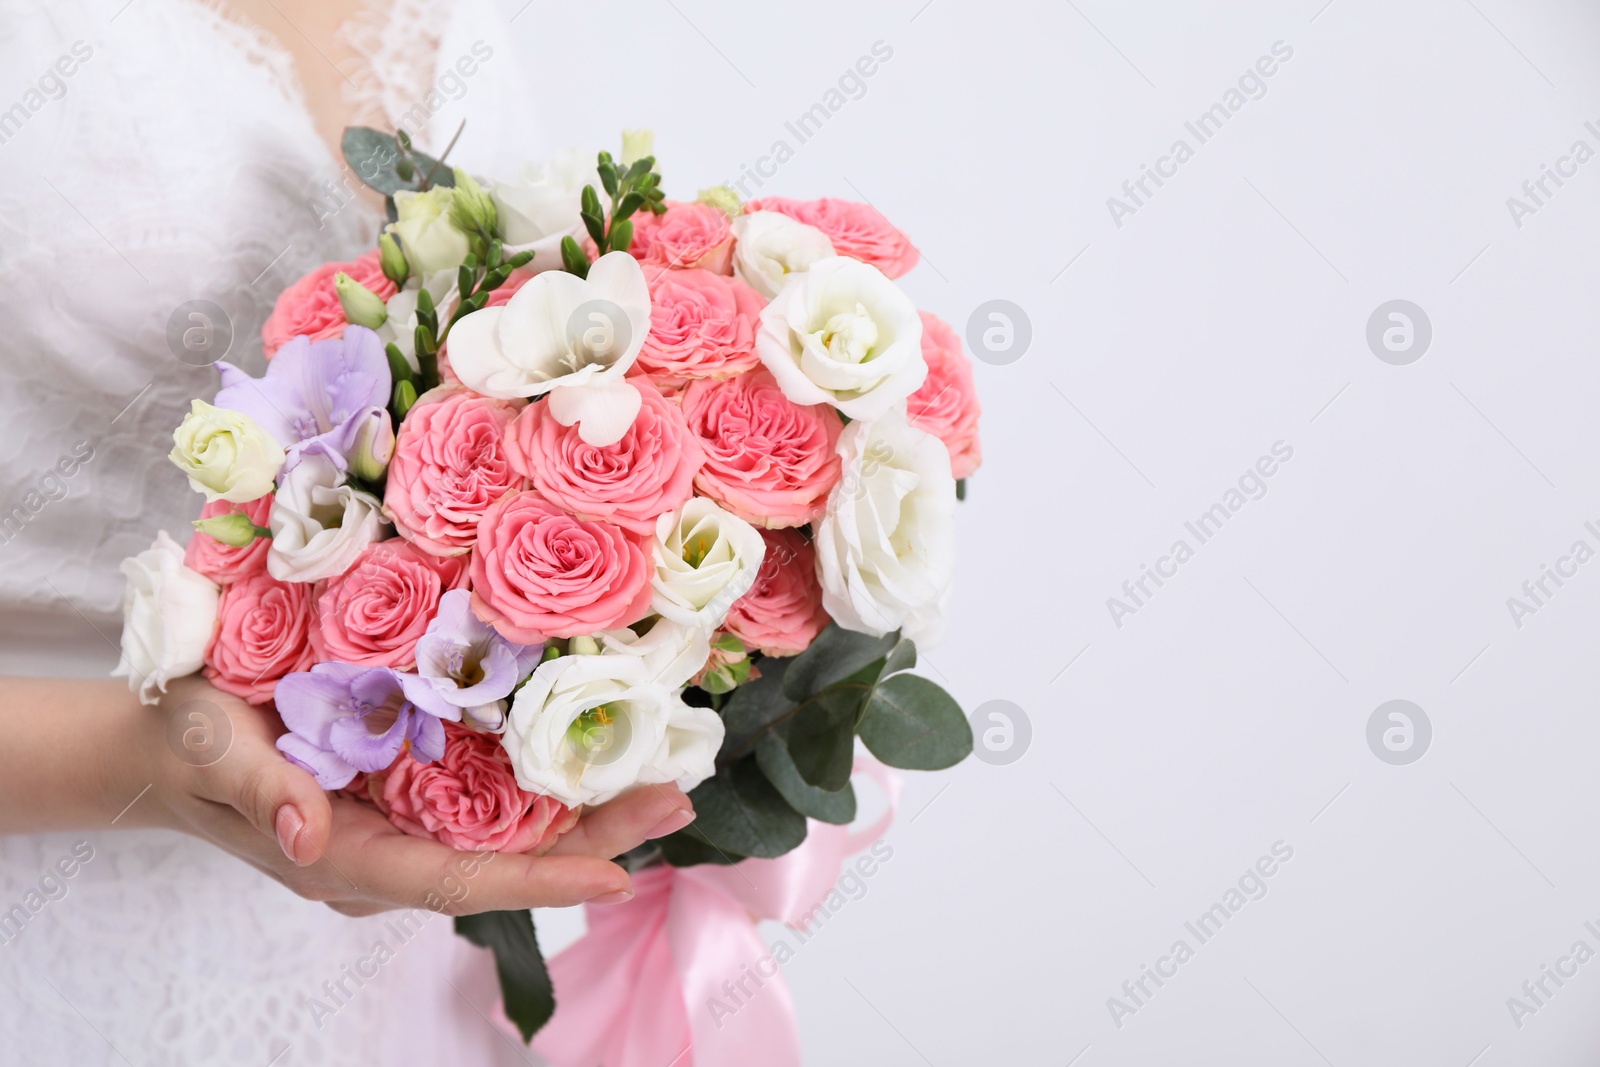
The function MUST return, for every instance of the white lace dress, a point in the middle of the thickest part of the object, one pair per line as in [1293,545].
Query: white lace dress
[154,153]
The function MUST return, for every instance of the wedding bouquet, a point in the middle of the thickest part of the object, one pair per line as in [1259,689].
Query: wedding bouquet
[566,488]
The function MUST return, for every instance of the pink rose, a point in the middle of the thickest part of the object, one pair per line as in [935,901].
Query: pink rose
[702,325]
[468,799]
[311,308]
[537,572]
[373,613]
[222,563]
[687,235]
[782,613]
[449,465]
[769,460]
[263,633]
[856,230]
[947,403]
[631,483]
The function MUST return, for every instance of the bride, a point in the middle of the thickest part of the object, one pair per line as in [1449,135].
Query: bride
[165,159]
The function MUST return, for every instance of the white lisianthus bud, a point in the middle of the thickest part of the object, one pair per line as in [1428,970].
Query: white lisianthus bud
[430,240]
[473,210]
[234,528]
[226,454]
[374,446]
[392,260]
[726,201]
[168,612]
[705,559]
[361,305]
[636,144]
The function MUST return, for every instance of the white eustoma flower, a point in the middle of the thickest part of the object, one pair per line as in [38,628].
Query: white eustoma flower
[886,546]
[571,337]
[226,454]
[842,333]
[319,523]
[429,239]
[769,247]
[541,205]
[168,612]
[705,559]
[673,652]
[584,728]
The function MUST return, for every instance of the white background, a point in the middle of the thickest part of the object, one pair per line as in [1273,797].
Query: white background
[1224,316]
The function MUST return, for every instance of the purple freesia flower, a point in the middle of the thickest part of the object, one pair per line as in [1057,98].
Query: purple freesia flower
[468,667]
[313,390]
[345,719]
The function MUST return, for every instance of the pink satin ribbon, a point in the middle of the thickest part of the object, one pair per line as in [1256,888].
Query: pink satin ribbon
[636,990]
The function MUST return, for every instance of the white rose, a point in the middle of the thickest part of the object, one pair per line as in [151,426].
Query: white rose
[168,612]
[842,333]
[673,652]
[226,454]
[705,559]
[769,247]
[427,236]
[319,524]
[541,205]
[886,546]
[585,728]
[571,337]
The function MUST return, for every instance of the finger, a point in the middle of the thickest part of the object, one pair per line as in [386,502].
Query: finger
[280,799]
[412,872]
[627,822]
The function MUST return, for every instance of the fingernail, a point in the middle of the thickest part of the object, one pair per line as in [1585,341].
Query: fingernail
[289,823]
[676,821]
[618,897]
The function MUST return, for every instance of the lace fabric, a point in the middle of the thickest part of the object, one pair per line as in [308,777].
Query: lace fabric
[175,163]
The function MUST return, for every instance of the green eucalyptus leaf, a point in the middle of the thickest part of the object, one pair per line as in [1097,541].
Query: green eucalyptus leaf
[739,811]
[961,489]
[911,723]
[821,738]
[525,990]
[687,848]
[837,807]
[901,658]
[835,655]
[379,162]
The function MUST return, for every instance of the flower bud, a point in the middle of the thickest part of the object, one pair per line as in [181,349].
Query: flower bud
[234,528]
[728,666]
[636,144]
[361,305]
[474,211]
[583,646]
[392,260]
[374,446]
[723,199]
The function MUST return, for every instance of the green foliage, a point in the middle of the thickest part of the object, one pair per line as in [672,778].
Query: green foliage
[525,985]
[740,812]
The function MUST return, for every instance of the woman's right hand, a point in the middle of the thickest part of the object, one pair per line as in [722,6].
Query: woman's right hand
[215,772]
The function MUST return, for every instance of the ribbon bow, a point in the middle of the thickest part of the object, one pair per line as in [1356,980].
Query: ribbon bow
[680,975]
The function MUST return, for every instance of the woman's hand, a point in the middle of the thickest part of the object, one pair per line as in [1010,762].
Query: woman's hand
[205,763]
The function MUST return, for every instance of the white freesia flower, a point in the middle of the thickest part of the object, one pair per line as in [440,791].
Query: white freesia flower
[427,236]
[541,205]
[584,728]
[842,333]
[886,546]
[319,524]
[705,559]
[673,652]
[226,454]
[769,247]
[168,612]
[571,337]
